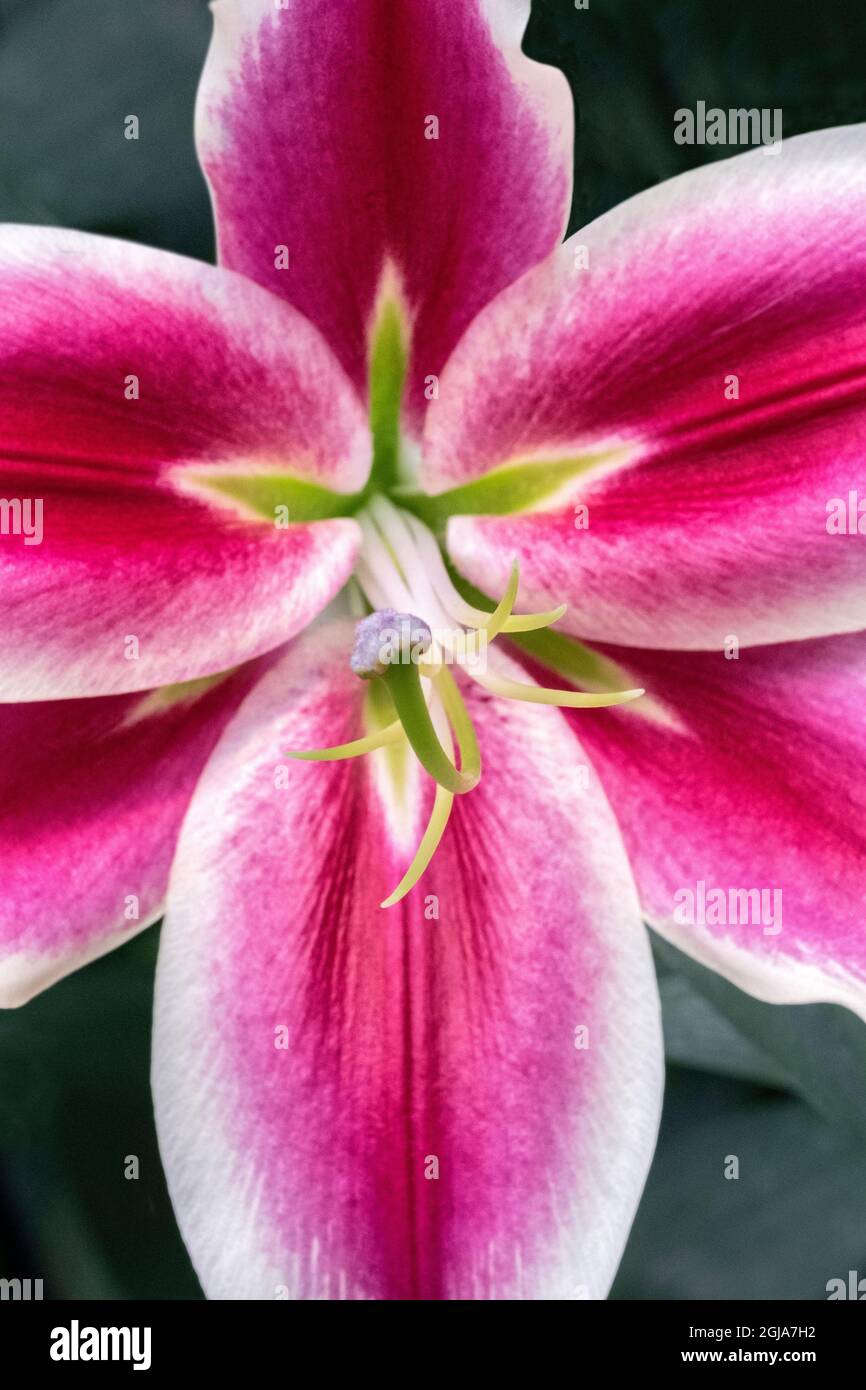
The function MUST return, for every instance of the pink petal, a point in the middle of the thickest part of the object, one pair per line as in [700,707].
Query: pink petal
[311,129]
[92,794]
[753,776]
[715,521]
[300,1171]
[129,547]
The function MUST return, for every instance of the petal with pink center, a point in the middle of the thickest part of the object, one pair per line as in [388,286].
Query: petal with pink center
[703,346]
[742,803]
[361,135]
[130,380]
[454,1098]
[92,794]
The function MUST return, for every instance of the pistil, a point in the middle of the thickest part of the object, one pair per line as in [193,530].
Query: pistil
[401,573]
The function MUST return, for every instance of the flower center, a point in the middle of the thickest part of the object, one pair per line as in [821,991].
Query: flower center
[419,628]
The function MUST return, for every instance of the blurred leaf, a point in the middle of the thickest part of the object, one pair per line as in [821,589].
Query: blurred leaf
[818,1050]
[698,1035]
[84,1107]
[70,72]
[632,64]
[788,1223]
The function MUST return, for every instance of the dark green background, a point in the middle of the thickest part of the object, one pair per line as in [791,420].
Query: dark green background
[781,1088]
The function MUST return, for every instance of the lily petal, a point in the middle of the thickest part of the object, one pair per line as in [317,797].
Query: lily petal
[749,779]
[362,135]
[357,1103]
[92,794]
[707,366]
[128,378]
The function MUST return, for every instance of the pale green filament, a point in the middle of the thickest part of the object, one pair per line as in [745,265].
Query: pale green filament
[530,622]
[542,695]
[392,733]
[442,804]
[443,801]
[458,717]
[499,617]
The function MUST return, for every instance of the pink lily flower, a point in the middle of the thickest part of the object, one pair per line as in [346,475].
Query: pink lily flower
[457,1095]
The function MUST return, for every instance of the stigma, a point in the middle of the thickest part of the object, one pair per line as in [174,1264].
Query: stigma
[387,637]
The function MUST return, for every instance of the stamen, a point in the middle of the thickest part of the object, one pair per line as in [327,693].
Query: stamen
[543,695]
[458,717]
[502,612]
[529,622]
[442,804]
[392,733]
[457,606]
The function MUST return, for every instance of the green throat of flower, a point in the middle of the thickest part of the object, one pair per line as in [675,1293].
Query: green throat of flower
[408,658]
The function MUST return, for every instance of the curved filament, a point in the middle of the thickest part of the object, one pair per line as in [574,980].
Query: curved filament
[442,804]
[392,733]
[458,717]
[465,612]
[542,695]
